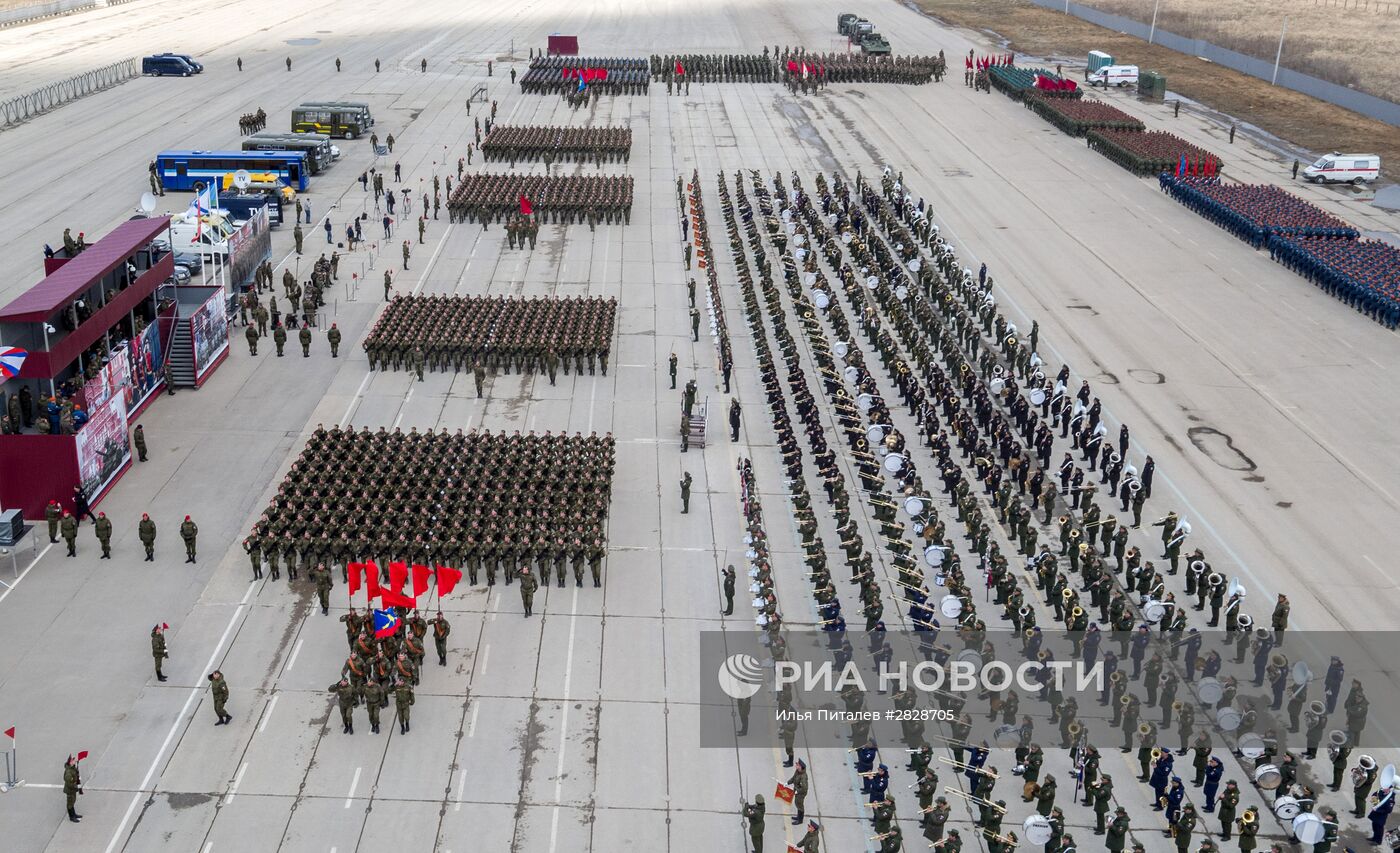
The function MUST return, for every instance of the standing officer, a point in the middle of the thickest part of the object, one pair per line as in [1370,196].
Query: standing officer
[297,235]
[695,324]
[68,527]
[73,788]
[673,371]
[251,333]
[188,532]
[685,493]
[403,699]
[104,535]
[158,649]
[441,628]
[305,337]
[478,374]
[279,338]
[374,698]
[322,576]
[528,585]
[734,414]
[753,813]
[345,694]
[333,338]
[146,532]
[218,686]
[53,513]
[138,438]
[729,591]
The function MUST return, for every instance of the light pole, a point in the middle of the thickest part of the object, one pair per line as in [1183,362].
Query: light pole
[1153,31]
[1279,55]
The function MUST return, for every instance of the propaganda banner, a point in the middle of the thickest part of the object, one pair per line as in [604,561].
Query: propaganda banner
[145,361]
[209,327]
[102,445]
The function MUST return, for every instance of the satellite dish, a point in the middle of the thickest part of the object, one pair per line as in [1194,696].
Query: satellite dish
[820,299]
[242,179]
[148,203]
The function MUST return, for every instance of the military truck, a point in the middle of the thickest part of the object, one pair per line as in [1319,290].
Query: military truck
[844,21]
[874,44]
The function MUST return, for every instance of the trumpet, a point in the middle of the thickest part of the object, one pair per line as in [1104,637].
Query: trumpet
[1250,816]
[966,767]
[1074,728]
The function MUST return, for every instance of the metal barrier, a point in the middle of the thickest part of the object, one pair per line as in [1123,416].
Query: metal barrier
[40,11]
[18,110]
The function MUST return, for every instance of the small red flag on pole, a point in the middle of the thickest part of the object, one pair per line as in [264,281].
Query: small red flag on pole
[394,599]
[784,793]
[371,580]
[525,208]
[398,574]
[353,571]
[82,755]
[447,579]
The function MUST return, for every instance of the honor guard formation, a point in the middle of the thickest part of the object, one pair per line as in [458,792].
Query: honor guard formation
[597,199]
[557,144]
[464,500]
[505,333]
[839,408]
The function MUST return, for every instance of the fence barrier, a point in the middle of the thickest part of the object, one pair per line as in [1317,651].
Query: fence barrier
[20,109]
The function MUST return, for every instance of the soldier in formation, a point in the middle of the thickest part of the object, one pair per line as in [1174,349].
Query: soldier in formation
[511,143]
[487,198]
[527,335]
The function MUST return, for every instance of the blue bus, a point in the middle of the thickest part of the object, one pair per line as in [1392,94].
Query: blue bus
[180,170]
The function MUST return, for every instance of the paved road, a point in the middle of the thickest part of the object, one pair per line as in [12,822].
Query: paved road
[1265,404]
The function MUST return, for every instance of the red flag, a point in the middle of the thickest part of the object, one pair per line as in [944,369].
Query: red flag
[10,733]
[792,848]
[82,755]
[525,208]
[394,599]
[398,574]
[371,580]
[447,579]
[420,579]
[680,69]
[792,67]
[784,793]
[352,574]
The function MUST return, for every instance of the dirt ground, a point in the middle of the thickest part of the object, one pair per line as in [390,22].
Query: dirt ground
[1315,43]
[1292,116]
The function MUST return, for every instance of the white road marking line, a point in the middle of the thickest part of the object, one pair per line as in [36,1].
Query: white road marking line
[592,396]
[563,726]
[471,725]
[6,594]
[355,400]
[170,735]
[354,783]
[296,650]
[461,787]
[485,657]
[237,780]
[398,420]
[208,845]
[423,279]
[267,714]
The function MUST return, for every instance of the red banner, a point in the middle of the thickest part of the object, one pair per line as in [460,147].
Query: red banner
[420,579]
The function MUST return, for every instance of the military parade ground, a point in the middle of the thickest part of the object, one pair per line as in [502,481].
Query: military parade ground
[596,403]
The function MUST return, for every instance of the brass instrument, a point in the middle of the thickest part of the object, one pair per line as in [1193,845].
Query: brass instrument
[978,800]
[964,767]
[1064,519]
[1067,593]
[1250,816]
[1278,659]
[1074,728]
[1117,676]
[1076,612]
[1075,534]
[1145,729]
[1177,705]
[1125,698]
[1156,754]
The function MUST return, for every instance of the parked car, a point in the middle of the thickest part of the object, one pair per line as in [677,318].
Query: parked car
[1344,168]
[189,60]
[166,66]
[1114,75]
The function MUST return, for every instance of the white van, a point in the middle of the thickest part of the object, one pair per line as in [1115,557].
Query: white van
[1115,75]
[206,239]
[1344,168]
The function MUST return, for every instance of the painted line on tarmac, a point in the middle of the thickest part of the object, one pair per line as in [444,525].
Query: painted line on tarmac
[237,780]
[175,726]
[32,563]
[354,783]
[267,713]
[563,726]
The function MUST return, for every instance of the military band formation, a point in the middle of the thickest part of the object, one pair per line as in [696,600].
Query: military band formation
[486,334]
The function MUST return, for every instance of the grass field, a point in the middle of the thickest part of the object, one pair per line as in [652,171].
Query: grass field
[1289,115]
[1350,42]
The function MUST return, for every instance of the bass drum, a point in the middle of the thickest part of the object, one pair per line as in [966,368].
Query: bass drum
[950,606]
[1309,828]
[1037,396]
[914,505]
[1268,777]
[1210,690]
[1228,719]
[1038,831]
[933,555]
[1287,808]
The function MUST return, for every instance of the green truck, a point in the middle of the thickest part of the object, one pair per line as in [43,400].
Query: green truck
[874,44]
